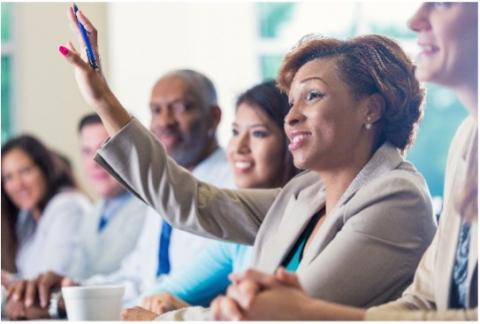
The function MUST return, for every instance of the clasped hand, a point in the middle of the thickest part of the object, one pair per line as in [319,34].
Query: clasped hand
[254,295]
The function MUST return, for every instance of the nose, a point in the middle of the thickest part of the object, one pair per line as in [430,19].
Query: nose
[420,19]
[294,117]
[242,144]
[164,118]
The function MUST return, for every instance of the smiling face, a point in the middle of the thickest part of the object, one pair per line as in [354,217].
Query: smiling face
[92,137]
[447,36]
[22,180]
[326,123]
[256,149]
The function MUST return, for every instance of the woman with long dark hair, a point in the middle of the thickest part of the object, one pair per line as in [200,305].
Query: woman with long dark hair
[42,209]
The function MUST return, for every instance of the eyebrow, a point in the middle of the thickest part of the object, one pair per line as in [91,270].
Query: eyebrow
[314,78]
[252,126]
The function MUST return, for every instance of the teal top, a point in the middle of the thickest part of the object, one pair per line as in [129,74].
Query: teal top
[292,261]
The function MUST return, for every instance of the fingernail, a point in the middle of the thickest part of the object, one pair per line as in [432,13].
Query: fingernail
[16,297]
[28,302]
[63,50]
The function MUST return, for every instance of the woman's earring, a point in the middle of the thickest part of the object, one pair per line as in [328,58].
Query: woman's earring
[368,125]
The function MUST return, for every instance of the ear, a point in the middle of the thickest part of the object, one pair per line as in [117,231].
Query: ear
[374,108]
[216,114]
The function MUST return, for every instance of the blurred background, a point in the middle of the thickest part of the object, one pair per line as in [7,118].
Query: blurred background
[236,44]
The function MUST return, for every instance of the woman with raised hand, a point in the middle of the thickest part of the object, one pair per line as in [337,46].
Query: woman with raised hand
[445,285]
[354,225]
[259,157]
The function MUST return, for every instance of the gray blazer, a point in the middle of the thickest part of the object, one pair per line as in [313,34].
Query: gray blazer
[365,252]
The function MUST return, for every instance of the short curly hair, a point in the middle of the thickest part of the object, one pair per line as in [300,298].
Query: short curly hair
[368,64]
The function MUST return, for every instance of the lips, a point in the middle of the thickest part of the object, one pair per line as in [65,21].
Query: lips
[243,165]
[298,139]
[427,49]
[168,139]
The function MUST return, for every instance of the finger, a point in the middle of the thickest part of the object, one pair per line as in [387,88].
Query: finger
[265,280]
[288,278]
[230,310]
[125,315]
[216,309]
[89,27]
[10,291]
[162,307]
[46,283]
[30,293]
[73,48]
[74,58]
[244,293]
[19,289]
[91,32]
[73,22]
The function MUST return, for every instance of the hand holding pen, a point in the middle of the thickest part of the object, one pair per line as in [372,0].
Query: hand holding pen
[88,46]
[87,68]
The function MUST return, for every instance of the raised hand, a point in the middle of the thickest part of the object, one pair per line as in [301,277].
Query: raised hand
[91,82]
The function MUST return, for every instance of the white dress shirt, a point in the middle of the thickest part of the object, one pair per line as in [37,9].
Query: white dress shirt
[103,251]
[138,270]
[51,243]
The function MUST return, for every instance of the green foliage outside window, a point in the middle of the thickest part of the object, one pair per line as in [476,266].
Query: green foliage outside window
[272,16]
[5,98]
[6,16]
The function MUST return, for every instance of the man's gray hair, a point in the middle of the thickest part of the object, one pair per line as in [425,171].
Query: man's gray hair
[200,81]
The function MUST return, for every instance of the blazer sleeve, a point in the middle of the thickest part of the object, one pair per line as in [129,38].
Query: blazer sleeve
[387,227]
[393,314]
[138,161]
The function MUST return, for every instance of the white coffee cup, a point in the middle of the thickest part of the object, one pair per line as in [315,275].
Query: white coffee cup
[93,303]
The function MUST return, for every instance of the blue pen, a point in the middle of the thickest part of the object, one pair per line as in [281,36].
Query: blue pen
[86,40]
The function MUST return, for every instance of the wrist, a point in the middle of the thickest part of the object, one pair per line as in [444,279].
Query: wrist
[326,311]
[114,116]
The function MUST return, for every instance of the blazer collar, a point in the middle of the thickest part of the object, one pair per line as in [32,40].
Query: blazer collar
[386,158]
[309,200]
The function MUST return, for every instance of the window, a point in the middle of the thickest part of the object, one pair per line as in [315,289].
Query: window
[6,12]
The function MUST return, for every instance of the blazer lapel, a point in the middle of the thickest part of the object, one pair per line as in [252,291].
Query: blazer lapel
[385,159]
[297,214]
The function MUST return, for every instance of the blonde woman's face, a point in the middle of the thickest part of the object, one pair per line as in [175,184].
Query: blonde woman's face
[256,149]
[447,36]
